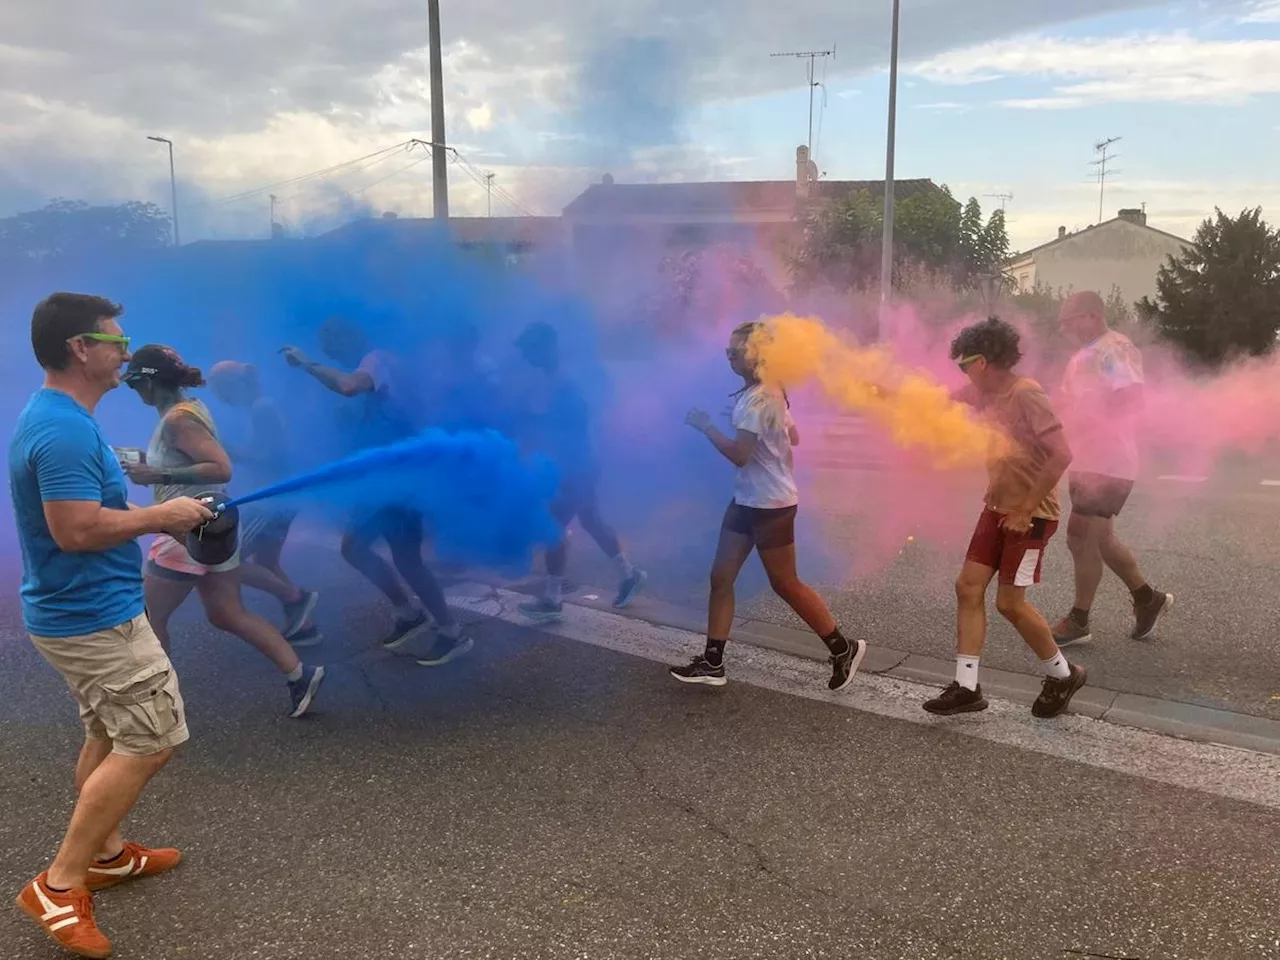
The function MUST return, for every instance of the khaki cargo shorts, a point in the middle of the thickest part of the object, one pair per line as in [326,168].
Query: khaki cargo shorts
[125,685]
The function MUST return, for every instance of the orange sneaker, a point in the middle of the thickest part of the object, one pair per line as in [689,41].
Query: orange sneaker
[135,860]
[67,917]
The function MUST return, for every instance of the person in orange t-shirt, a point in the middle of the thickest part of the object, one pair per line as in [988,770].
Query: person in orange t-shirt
[1026,462]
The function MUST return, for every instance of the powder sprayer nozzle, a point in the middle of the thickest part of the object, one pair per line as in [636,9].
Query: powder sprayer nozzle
[215,541]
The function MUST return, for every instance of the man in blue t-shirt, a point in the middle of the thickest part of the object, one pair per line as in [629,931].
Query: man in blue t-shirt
[83,606]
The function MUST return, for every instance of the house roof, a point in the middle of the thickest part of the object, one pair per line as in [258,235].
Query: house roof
[1095,226]
[722,197]
[465,230]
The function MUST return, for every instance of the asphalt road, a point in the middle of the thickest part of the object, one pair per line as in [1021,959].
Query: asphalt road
[545,798]
[1211,543]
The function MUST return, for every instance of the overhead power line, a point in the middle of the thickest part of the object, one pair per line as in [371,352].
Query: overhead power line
[380,155]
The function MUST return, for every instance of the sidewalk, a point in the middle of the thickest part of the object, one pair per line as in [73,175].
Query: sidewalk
[1171,717]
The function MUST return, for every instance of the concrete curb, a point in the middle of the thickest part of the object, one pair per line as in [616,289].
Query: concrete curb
[1170,717]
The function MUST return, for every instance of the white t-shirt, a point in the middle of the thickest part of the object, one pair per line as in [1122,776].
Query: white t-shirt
[1103,439]
[766,481]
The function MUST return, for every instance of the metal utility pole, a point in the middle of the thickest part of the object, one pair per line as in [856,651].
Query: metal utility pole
[173,187]
[1101,147]
[272,196]
[886,253]
[1002,197]
[812,56]
[439,154]
[488,193]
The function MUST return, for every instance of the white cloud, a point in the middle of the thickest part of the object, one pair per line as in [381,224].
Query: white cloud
[81,83]
[480,118]
[1136,68]
[1263,11]
[945,106]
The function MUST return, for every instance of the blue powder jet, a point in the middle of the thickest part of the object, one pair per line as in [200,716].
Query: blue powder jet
[483,503]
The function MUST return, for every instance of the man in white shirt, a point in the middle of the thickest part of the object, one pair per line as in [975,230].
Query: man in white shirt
[1102,392]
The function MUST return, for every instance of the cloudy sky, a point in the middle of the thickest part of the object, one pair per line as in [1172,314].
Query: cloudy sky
[997,96]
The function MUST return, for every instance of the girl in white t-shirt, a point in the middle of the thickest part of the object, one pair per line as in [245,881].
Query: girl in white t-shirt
[761,517]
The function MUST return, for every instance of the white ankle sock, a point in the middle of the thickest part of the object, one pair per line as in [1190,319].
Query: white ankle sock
[1057,667]
[967,672]
[294,675]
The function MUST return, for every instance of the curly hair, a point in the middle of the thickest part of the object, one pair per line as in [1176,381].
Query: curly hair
[993,339]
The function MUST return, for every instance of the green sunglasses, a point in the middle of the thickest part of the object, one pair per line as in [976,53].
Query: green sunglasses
[121,342]
[964,363]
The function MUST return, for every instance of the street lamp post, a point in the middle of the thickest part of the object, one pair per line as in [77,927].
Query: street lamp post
[173,186]
[886,253]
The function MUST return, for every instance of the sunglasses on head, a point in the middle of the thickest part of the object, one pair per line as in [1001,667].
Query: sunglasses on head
[964,363]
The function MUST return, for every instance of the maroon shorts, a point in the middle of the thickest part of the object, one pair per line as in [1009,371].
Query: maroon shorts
[1018,556]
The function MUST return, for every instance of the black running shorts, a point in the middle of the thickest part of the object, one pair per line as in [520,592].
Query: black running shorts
[767,528]
[1096,495]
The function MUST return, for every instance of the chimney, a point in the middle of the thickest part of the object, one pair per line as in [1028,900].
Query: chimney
[1062,233]
[607,180]
[1134,215]
[806,172]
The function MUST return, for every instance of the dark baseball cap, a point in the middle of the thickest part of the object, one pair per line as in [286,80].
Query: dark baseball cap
[157,362]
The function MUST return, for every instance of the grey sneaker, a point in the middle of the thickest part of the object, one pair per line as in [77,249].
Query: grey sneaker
[1067,632]
[1147,615]
[629,589]
[543,610]
[446,649]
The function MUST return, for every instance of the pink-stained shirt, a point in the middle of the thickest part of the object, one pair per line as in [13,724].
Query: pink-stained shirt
[1103,437]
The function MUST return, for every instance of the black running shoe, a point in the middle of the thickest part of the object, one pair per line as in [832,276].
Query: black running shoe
[309,637]
[297,613]
[845,665]
[303,690]
[1147,615]
[1057,693]
[957,699]
[445,649]
[701,671]
[405,631]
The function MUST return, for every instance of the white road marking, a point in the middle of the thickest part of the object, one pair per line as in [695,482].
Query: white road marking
[1209,768]
[1271,483]
[1181,478]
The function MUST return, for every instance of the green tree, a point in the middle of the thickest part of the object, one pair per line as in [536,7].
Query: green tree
[992,247]
[929,230]
[839,245]
[1221,297]
[701,287]
[971,230]
[75,229]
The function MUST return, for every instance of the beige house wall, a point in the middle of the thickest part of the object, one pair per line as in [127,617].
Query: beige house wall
[1116,254]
